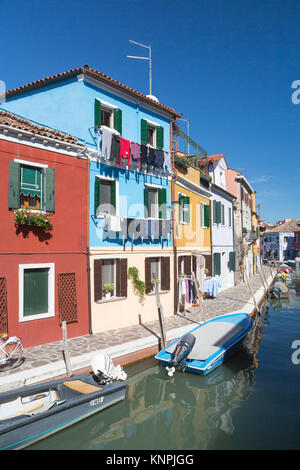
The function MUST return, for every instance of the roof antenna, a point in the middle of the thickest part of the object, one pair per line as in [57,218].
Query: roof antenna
[150,65]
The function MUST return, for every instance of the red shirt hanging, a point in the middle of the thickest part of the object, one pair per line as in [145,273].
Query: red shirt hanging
[125,150]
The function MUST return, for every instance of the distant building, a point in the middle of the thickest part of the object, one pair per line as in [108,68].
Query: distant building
[279,242]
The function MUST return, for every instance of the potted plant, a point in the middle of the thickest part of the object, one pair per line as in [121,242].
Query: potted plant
[108,290]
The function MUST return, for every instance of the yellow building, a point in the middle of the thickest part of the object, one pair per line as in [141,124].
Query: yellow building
[192,220]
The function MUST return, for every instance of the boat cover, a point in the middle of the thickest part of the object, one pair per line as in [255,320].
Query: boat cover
[210,337]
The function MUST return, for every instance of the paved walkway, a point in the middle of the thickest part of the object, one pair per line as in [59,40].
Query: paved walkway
[46,361]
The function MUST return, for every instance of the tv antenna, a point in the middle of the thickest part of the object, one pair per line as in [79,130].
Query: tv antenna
[144,58]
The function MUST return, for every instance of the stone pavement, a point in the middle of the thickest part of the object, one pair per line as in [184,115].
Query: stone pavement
[46,361]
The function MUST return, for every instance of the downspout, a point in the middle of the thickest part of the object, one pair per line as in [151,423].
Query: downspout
[173,180]
[88,264]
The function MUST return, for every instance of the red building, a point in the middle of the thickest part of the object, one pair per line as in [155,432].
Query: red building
[43,268]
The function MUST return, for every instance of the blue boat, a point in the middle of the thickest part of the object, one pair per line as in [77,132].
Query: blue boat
[206,346]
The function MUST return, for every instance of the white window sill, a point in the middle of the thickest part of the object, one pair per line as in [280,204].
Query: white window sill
[112,299]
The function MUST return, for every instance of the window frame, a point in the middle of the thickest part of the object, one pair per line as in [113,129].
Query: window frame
[51,291]
[108,179]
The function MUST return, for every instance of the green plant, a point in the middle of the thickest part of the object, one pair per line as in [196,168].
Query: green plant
[206,271]
[36,219]
[138,285]
[153,283]
[108,288]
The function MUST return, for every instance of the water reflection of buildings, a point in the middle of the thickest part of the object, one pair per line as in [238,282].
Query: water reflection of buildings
[185,412]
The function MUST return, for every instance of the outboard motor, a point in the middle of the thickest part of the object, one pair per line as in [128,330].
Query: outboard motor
[183,348]
[105,371]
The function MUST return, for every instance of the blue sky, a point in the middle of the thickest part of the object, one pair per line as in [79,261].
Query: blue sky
[226,65]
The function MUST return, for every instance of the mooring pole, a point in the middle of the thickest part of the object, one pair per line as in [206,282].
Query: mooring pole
[160,312]
[66,349]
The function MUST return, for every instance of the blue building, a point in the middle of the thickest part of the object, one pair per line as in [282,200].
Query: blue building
[127,141]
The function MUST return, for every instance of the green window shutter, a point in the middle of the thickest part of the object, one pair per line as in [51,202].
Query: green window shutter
[14,185]
[206,215]
[118,120]
[217,264]
[218,212]
[35,291]
[49,178]
[97,113]
[160,137]
[229,216]
[96,194]
[146,202]
[222,214]
[231,263]
[215,211]
[186,209]
[113,196]
[162,203]
[143,132]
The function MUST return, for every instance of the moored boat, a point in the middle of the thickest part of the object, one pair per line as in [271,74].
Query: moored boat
[34,412]
[206,346]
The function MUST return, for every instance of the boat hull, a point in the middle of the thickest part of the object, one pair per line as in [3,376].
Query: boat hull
[204,367]
[27,430]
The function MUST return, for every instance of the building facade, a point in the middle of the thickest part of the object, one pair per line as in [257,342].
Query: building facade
[244,236]
[223,250]
[127,138]
[43,246]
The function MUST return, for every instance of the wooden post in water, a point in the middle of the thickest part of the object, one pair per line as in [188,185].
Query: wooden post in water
[160,312]
[66,349]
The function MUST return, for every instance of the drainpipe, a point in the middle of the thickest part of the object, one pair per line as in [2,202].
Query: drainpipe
[173,180]
[88,264]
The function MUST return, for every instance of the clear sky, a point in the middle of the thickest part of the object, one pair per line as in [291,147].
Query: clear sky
[226,65]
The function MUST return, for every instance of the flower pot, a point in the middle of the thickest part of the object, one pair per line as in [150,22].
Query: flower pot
[108,295]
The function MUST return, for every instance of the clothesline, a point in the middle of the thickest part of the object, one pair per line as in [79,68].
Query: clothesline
[114,148]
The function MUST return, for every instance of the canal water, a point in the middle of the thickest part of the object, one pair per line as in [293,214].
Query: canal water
[250,402]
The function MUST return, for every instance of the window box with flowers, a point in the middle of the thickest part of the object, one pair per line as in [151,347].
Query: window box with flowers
[33,218]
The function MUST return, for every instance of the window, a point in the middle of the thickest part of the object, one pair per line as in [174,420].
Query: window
[217,212]
[159,266]
[152,134]
[105,196]
[184,209]
[36,291]
[204,215]
[31,186]
[155,202]
[185,265]
[107,115]
[110,272]
[286,239]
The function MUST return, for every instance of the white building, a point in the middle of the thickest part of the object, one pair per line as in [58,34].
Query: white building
[223,254]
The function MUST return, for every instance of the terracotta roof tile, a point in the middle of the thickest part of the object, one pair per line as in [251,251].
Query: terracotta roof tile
[93,73]
[13,120]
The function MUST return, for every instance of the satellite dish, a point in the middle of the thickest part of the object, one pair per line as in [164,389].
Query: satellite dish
[152,97]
